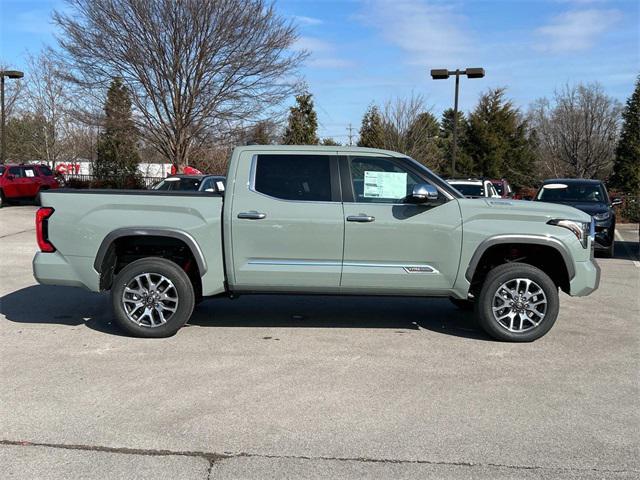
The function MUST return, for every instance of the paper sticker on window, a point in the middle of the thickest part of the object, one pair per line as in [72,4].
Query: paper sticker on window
[29,173]
[385,184]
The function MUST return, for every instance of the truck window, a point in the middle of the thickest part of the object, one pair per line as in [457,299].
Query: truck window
[294,177]
[46,171]
[379,180]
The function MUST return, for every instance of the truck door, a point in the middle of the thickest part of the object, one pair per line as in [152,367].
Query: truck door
[392,246]
[287,223]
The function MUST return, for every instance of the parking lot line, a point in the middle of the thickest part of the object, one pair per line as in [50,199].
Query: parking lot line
[629,252]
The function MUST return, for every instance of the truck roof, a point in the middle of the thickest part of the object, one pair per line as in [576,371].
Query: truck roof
[318,148]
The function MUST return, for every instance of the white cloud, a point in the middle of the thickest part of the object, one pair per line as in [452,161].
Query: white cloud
[312,44]
[431,33]
[322,53]
[302,20]
[576,30]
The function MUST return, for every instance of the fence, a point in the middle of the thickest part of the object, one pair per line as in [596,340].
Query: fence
[80,178]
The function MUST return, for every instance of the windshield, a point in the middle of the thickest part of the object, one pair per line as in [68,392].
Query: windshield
[469,189]
[572,192]
[178,183]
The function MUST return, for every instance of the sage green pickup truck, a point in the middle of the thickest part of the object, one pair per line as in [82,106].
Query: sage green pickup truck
[317,220]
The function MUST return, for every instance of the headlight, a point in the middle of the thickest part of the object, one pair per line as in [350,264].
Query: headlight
[581,230]
[599,217]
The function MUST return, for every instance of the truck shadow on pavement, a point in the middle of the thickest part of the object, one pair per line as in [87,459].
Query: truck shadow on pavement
[74,307]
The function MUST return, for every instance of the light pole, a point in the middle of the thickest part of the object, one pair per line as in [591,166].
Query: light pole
[14,74]
[443,74]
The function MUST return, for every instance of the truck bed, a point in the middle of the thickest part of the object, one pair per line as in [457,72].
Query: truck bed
[84,219]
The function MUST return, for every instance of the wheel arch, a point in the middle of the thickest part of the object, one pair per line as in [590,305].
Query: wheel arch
[104,262]
[562,272]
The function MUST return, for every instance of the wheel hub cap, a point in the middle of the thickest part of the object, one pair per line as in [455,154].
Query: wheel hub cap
[519,305]
[150,300]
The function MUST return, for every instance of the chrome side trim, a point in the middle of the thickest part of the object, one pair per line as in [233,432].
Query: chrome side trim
[516,238]
[411,269]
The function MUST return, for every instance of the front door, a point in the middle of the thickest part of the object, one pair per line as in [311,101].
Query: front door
[287,223]
[392,246]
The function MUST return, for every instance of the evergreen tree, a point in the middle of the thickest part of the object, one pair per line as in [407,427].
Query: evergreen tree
[422,140]
[117,156]
[260,134]
[371,131]
[464,165]
[303,122]
[626,167]
[329,142]
[497,140]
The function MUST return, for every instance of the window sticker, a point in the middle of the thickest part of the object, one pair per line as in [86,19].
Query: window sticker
[385,184]
[29,172]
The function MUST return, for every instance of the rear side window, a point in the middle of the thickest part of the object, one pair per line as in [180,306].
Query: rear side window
[46,171]
[30,172]
[294,177]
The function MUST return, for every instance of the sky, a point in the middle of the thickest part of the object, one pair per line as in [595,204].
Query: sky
[371,51]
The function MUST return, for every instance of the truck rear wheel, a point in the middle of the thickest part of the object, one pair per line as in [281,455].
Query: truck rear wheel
[152,298]
[517,303]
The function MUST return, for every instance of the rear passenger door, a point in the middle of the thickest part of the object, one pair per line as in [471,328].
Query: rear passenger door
[287,223]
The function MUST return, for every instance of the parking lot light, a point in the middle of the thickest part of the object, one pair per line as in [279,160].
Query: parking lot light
[443,74]
[14,75]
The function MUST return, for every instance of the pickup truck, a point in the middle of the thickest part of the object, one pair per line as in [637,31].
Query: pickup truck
[317,220]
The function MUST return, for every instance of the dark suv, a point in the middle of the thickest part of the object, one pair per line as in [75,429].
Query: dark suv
[591,197]
[24,181]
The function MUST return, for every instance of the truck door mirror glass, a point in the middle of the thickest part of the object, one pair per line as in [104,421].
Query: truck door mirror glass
[424,192]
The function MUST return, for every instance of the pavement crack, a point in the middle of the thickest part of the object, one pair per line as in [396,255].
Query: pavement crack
[213,457]
[17,233]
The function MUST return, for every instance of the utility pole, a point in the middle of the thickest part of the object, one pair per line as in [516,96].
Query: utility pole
[350,128]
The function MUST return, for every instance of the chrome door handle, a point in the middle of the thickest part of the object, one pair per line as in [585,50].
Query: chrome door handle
[252,215]
[362,218]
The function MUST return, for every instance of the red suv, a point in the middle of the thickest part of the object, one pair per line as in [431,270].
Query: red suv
[24,181]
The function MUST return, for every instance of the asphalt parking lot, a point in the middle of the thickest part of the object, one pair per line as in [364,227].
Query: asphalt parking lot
[314,387]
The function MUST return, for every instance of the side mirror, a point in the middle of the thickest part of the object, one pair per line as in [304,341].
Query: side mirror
[616,201]
[423,192]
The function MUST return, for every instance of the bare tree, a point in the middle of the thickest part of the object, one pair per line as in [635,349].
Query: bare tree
[409,127]
[576,132]
[193,66]
[45,96]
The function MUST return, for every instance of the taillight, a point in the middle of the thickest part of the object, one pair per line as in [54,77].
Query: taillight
[42,229]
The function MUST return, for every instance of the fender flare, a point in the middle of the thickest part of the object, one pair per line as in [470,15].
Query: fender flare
[519,238]
[155,232]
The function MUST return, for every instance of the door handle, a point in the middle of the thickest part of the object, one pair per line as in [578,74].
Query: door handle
[252,215]
[362,218]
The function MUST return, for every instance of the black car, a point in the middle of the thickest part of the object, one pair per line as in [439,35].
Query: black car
[591,197]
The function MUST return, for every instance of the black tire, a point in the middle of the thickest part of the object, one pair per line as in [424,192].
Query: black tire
[2,200]
[610,251]
[462,304]
[182,289]
[509,272]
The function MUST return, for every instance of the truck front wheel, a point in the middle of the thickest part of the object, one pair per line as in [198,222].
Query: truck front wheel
[152,297]
[518,303]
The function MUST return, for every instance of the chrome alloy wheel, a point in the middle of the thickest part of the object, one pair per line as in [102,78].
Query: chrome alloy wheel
[519,305]
[150,300]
